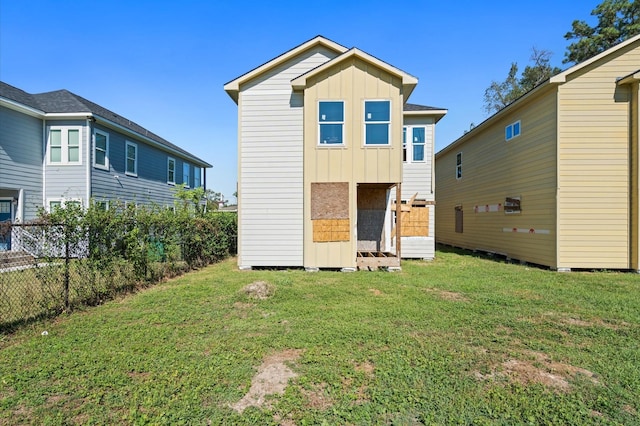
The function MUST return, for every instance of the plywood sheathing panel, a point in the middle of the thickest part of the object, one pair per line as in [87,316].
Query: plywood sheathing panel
[415,223]
[325,230]
[329,200]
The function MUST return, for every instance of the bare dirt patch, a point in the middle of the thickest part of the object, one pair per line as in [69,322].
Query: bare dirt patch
[375,291]
[260,290]
[317,397]
[271,379]
[448,295]
[536,367]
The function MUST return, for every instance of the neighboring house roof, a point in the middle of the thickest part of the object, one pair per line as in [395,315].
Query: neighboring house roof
[552,82]
[409,82]
[634,76]
[233,87]
[422,110]
[61,102]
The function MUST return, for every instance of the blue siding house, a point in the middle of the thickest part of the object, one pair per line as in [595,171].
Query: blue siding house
[58,147]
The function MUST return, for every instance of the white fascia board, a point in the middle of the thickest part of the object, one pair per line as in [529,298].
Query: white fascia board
[16,106]
[437,114]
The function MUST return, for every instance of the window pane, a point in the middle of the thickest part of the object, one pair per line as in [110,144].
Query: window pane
[418,135]
[56,154]
[516,129]
[331,111]
[101,142]
[185,174]
[171,171]
[131,151]
[418,153]
[53,205]
[74,138]
[377,134]
[196,177]
[330,133]
[131,165]
[56,138]
[74,154]
[508,133]
[377,111]
[101,158]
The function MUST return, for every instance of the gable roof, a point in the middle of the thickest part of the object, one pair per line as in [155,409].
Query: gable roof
[62,102]
[562,77]
[422,110]
[233,87]
[409,82]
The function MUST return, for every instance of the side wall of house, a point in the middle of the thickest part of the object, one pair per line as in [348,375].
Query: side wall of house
[270,164]
[493,170]
[594,175]
[417,178]
[150,186]
[352,81]
[21,159]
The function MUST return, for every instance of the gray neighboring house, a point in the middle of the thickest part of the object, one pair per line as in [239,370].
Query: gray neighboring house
[58,147]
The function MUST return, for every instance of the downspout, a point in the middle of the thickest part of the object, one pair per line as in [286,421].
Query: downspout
[88,157]
[44,164]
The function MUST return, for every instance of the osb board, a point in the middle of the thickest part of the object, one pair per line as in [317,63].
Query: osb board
[329,200]
[415,223]
[326,230]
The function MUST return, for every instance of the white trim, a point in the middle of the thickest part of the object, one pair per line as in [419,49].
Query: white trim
[64,145]
[512,126]
[344,119]
[459,166]
[364,123]
[106,151]
[126,159]
[170,159]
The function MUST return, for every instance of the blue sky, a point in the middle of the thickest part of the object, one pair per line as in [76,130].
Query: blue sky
[162,63]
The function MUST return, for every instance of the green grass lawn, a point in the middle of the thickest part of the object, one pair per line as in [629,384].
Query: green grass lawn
[461,340]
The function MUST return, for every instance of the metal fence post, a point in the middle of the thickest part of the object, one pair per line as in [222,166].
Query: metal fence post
[66,268]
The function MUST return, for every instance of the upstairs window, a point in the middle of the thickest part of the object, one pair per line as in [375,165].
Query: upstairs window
[64,145]
[512,131]
[377,122]
[418,139]
[331,122]
[459,165]
[101,150]
[131,153]
[404,144]
[171,171]
[185,174]
[197,180]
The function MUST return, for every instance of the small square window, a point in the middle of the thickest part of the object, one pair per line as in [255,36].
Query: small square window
[512,130]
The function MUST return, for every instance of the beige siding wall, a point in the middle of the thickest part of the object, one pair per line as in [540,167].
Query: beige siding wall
[593,138]
[270,164]
[493,169]
[352,81]
[418,178]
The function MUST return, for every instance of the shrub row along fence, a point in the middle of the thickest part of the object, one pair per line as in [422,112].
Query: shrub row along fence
[74,257]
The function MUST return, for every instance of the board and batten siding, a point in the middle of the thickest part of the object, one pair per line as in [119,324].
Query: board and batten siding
[67,181]
[594,176]
[270,163]
[417,178]
[21,159]
[148,187]
[493,169]
[352,81]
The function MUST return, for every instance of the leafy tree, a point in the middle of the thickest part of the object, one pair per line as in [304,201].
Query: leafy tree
[618,20]
[500,94]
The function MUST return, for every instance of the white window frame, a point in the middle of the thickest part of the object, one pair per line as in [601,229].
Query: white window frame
[459,165]
[197,177]
[63,202]
[169,161]
[104,203]
[186,174]
[342,123]
[104,166]
[126,159]
[510,130]
[365,122]
[408,146]
[64,146]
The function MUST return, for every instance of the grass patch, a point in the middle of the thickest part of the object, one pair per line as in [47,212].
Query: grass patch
[460,340]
